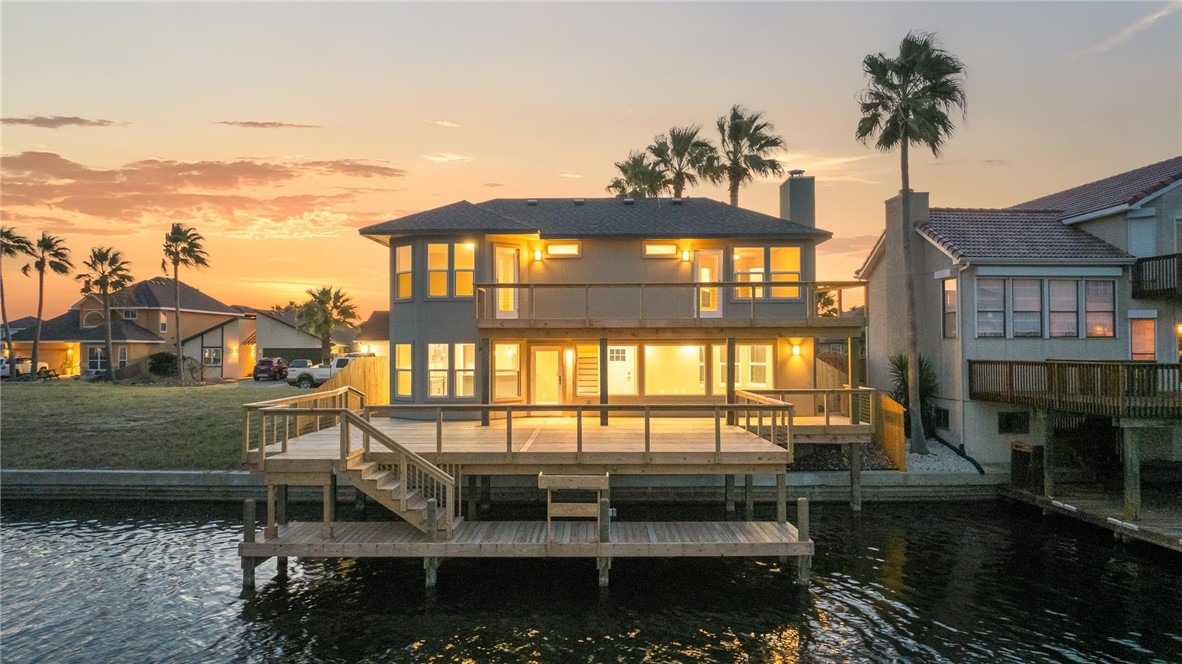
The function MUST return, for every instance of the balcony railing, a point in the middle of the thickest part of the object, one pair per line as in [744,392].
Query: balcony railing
[672,304]
[1112,389]
[1158,277]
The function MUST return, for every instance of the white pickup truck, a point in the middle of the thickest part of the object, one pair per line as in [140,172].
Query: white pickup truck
[21,366]
[308,376]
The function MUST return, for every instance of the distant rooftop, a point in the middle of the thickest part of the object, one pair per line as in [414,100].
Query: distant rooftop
[1013,234]
[1122,189]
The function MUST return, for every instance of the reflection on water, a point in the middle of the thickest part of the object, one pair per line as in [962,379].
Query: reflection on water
[949,582]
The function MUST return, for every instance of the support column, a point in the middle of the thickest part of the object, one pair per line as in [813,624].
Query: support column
[484,357]
[781,499]
[1131,439]
[248,526]
[855,375]
[856,477]
[804,564]
[272,529]
[1048,456]
[731,377]
[486,493]
[603,379]
[749,497]
[728,493]
[330,499]
[471,497]
[431,571]
[281,518]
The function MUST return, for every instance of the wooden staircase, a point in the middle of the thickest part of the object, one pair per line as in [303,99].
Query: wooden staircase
[382,484]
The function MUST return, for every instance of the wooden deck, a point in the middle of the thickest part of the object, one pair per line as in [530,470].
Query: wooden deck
[516,539]
[1160,522]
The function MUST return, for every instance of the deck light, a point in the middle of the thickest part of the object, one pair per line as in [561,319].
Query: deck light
[537,254]
[796,349]
[685,255]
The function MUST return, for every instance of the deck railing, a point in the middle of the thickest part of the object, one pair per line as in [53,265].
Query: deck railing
[1111,389]
[671,303]
[779,417]
[277,421]
[1158,277]
[857,405]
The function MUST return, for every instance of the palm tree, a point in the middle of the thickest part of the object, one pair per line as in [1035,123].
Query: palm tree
[11,246]
[908,101]
[746,143]
[182,246]
[684,158]
[109,272]
[639,178]
[326,311]
[49,253]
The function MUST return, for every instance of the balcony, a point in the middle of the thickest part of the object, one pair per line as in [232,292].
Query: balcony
[1158,278]
[778,304]
[1111,389]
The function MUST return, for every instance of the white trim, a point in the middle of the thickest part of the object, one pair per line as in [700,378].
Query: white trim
[1170,187]
[942,248]
[1019,271]
[1142,313]
[1141,213]
[1088,216]
[874,253]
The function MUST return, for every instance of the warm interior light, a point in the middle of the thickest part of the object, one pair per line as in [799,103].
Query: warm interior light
[685,255]
[796,349]
[537,254]
[570,355]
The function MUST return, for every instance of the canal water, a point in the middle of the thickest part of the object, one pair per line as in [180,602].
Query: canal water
[983,582]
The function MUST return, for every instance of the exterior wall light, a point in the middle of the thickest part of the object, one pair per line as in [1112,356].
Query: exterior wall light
[537,254]
[796,349]
[685,255]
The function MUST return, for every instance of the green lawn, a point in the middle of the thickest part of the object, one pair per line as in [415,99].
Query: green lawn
[73,424]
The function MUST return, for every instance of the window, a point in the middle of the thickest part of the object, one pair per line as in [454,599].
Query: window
[163,326]
[564,249]
[211,357]
[403,278]
[122,355]
[991,308]
[785,262]
[465,267]
[465,370]
[437,370]
[92,319]
[752,366]
[622,376]
[1100,297]
[95,359]
[1013,422]
[674,370]
[403,384]
[950,304]
[660,250]
[941,418]
[445,260]
[748,264]
[507,371]
[1143,339]
[129,314]
[437,269]
[1027,302]
[1064,308]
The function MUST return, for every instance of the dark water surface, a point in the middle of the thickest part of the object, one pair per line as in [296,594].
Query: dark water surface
[982,582]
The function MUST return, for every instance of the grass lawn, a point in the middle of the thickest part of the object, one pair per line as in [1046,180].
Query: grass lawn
[73,424]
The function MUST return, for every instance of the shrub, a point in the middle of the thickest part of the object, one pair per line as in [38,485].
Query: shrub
[162,364]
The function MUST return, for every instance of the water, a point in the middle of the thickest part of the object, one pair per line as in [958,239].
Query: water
[947,582]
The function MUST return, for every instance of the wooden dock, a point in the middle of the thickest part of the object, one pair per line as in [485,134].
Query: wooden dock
[1159,524]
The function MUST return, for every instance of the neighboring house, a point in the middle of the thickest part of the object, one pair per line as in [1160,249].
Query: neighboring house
[277,334]
[373,336]
[1011,302]
[14,326]
[142,324]
[567,301]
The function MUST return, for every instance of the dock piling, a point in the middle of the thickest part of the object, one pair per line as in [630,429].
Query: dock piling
[728,492]
[856,477]
[248,526]
[804,564]
[749,497]
[431,571]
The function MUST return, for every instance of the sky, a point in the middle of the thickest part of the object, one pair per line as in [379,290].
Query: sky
[278,130]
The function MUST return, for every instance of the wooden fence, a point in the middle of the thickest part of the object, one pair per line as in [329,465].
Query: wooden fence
[889,432]
[368,375]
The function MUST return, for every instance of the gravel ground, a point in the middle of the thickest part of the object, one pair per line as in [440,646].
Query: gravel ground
[942,460]
[834,457]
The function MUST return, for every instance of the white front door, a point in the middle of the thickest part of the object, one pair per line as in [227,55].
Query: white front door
[708,268]
[548,375]
[505,272]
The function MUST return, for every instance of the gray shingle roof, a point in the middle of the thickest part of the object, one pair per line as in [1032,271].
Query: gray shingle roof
[377,328]
[67,327]
[1036,234]
[160,293]
[599,217]
[1121,189]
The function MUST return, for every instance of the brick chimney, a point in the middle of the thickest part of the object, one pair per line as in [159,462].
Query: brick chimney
[798,199]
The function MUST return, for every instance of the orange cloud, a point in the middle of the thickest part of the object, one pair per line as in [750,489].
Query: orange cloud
[59,121]
[256,124]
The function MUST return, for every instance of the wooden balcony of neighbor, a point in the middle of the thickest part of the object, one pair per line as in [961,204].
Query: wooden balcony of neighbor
[1158,278]
[781,304]
[1111,389]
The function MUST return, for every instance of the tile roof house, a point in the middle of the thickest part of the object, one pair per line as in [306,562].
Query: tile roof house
[1089,273]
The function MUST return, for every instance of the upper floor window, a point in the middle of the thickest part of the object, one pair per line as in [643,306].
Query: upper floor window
[660,250]
[450,269]
[760,264]
[1064,308]
[129,314]
[92,319]
[1100,301]
[991,308]
[437,370]
[1027,295]
[403,275]
[163,326]
[1143,340]
[950,304]
[564,249]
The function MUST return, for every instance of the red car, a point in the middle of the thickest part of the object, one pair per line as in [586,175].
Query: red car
[271,368]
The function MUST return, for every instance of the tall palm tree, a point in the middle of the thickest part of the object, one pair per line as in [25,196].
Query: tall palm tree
[326,311]
[638,178]
[684,158]
[109,272]
[12,245]
[747,142]
[49,253]
[908,101]
[182,247]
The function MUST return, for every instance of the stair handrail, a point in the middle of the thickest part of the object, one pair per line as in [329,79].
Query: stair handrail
[343,397]
[394,446]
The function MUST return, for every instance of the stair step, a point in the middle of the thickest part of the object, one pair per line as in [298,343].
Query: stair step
[390,484]
[364,467]
[377,477]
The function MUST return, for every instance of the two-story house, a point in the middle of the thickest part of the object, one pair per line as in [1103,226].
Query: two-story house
[609,300]
[1068,304]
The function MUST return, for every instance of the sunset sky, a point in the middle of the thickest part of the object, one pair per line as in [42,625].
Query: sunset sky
[277,129]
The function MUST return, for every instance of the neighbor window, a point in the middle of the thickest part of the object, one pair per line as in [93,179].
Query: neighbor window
[1027,299]
[437,369]
[1143,339]
[403,384]
[1064,308]
[92,319]
[450,269]
[660,250]
[95,358]
[950,304]
[122,355]
[163,326]
[403,277]
[1100,297]
[465,369]
[991,308]
[507,370]
[129,314]
[941,418]
[674,370]
[210,357]
[563,249]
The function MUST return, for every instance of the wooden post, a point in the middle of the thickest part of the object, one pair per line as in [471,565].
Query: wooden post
[605,565]
[855,378]
[1048,455]
[471,498]
[431,571]
[431,517]
[508,435]
[781,499]
[248,525]
[438,435]
[730,375]
[856,477]
[728,491]
[486,493]
[281,504]
[330,499]
[605,520]
[484,356]
[603,380]
[749,497]
[1132,465]
[804,564]
[272,530]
